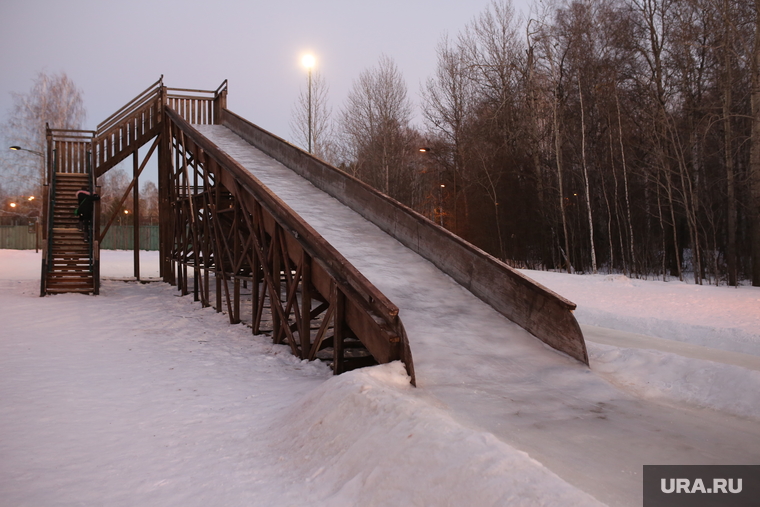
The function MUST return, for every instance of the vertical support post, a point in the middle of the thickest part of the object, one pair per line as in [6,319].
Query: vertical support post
[162,196]
[136,214]
[165,232]
[339,331]
[238,253]
[305,305]
[194,226]
[255,285]
[275,293]
[218,254]
[220,103]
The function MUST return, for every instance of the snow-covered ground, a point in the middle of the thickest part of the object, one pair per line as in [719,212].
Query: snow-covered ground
[709,342]
[141,397]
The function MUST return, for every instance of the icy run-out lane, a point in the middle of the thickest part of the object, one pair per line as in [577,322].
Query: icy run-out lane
[493,375]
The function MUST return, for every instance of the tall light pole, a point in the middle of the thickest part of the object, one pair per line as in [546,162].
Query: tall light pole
[308,62]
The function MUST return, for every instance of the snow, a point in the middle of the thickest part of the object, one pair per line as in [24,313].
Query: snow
[141,397]
[695,320]
[723,317]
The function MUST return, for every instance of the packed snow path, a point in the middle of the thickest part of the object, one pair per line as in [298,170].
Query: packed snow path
[493,375]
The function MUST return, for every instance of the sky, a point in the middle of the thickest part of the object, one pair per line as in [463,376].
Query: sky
[114,50]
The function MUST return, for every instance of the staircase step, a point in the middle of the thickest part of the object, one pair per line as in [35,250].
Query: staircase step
[63,290]
[71,176]
[59,281]
[70,277]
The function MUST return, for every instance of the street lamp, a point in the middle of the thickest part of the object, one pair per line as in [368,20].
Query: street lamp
[19,148]
[308,61]
[41,155]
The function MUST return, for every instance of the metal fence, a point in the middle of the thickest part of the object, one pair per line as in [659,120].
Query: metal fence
[119,237]
[18,237]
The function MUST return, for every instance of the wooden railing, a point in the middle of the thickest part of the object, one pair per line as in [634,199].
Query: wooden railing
[72,148]
[140,119]
[199,107]
[128,128]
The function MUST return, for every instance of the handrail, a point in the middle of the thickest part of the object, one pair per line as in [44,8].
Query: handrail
[222,87]
[190,90]
[73,133]
[193,97]
[135,103]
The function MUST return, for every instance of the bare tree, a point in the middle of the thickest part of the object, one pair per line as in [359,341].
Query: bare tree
[149,202]
[321,115]
[375,126]
[53,99]
[112,187]
[448,100]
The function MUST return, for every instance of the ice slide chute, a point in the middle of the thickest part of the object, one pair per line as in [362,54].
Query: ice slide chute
[543,313]
[225,237]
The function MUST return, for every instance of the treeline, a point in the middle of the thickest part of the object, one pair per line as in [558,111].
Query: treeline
[595,135]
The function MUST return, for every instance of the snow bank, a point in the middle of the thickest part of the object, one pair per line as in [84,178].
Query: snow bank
[726,318]
[669,377]
[368,438]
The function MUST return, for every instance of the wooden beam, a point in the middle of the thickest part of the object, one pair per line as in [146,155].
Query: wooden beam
[126,192]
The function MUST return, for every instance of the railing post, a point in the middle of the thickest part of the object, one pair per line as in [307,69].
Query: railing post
[220,103]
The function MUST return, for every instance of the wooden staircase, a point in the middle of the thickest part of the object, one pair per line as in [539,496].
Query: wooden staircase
[70,263]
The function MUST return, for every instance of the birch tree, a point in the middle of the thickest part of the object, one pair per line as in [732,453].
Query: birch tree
[376,131]
[54,100]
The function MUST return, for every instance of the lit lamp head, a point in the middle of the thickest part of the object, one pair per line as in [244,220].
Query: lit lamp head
[15,148]
[308,61]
